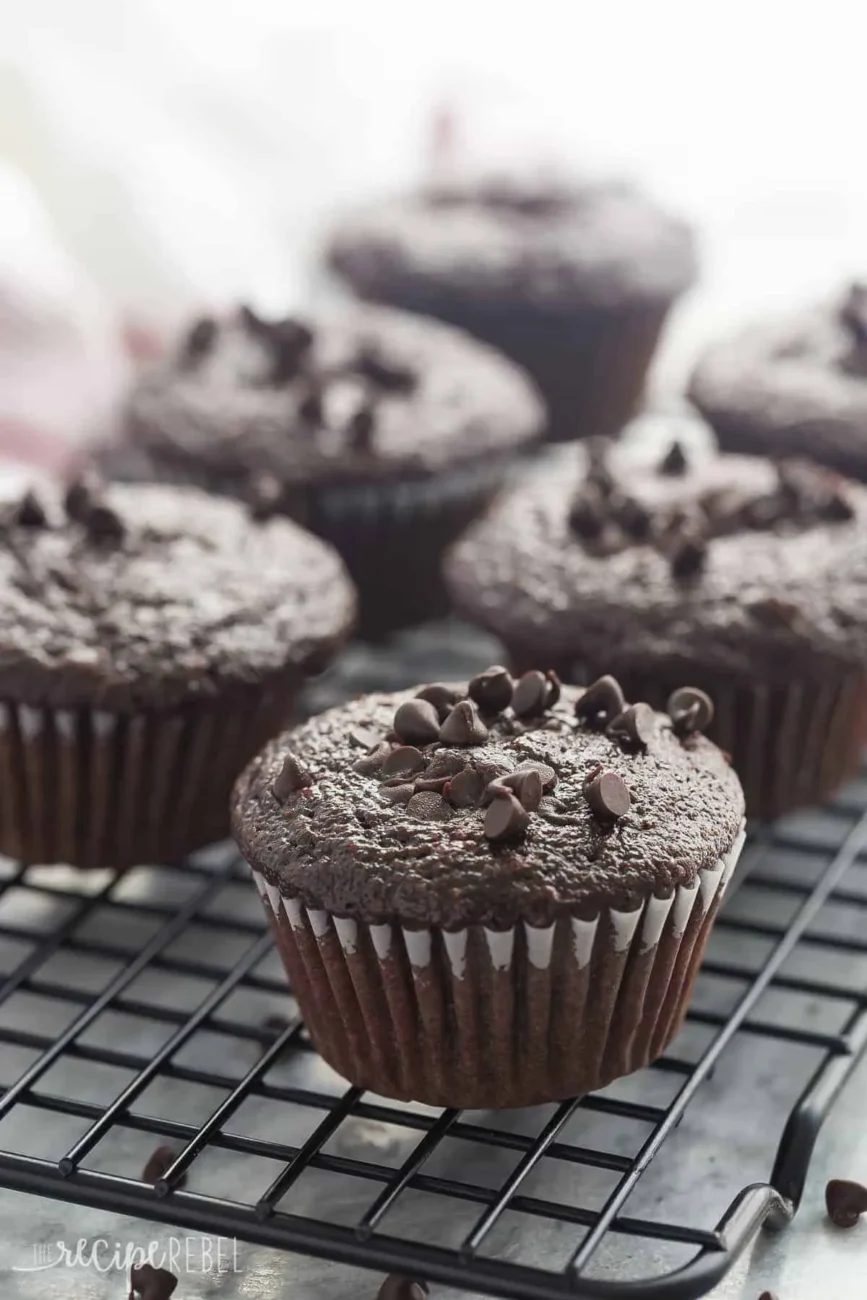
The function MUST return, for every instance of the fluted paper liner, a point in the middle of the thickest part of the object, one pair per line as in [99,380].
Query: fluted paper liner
[481,1018]
[94,788]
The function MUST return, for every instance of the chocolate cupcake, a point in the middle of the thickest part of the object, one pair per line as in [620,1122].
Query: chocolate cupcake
[487,895]
[793,386]
[746,578]
[384,434]
[571,279]
[152,639]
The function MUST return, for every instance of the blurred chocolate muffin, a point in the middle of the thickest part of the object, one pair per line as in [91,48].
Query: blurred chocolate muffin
[745,578]
[571,279]
[793,386]
[383,433]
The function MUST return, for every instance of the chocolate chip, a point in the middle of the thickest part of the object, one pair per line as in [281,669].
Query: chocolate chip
[506,818]
[29,512]
[492,689]
[310,408]
[600,703]
[636,725]
[406,760]
[291,778]
[443,698]
[149,1283]
[373,761]
[587,516]
[837,509]
[845,1201]
[466,788]
[429,807]
[363,739]
[463,726]
[634,519]
[690,710]
[81,494]
[548,775]
[400,793]
[437,783]
[530,694]
[264,496]
[555,688]
[768,1295]
[674,462]
[200,339]
[387,374]
[774,612]
[157,1164]
[853,313]
[527,785]
[417,722]
[608,796]
[398,1287]
[688,556]
[361,428]
[104,524]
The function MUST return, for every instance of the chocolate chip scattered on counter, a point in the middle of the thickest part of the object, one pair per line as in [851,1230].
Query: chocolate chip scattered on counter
[289,341]
[265,496]
[200,339]
[291,778]
[157,1164]
[687,555]
[429,807]
[492,689]
[845,1202]
[406,760]
[29,512]
[531,692]
[636,725]
[608,795]
[149,1283]
[373,761]
[555,689]
[601,702]
[366,740]
[768,1295]
[506,818]
[437,783]
[634,519]
[774,612]
[463,726]
[838,508]
[398,1287]
[310,408]
[361,428]
[104,524]
[548,775]
[443,698]
[386,374]
[466,788]
[417,722]
[587,516]
[690,710]
[674,462]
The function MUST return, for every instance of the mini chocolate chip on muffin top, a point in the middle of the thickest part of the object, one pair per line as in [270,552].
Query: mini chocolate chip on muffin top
[140,596]
[489,802]
[795,385]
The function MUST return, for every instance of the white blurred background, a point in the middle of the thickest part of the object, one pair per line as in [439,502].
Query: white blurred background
[158,155]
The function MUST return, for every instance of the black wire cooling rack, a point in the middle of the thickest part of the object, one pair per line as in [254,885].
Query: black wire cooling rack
[146,1009]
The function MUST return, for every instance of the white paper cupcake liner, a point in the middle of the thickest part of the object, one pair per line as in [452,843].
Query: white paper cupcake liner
[94,788]
[480,1018]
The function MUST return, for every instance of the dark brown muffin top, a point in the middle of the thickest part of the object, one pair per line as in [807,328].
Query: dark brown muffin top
[795,385]
[627,555]
[448,808]
[358,396]
[127,597]
[546,240]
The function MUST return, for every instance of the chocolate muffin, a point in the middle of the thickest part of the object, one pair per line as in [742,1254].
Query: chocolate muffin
[746,578]
[495,894]
[793,386]
[572,279]
[151,640]
[383,433]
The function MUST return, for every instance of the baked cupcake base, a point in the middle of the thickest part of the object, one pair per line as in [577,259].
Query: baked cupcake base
[477,1018]
[102,789]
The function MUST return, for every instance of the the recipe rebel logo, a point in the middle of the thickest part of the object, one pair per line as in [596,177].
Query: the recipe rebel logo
[179,1255]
